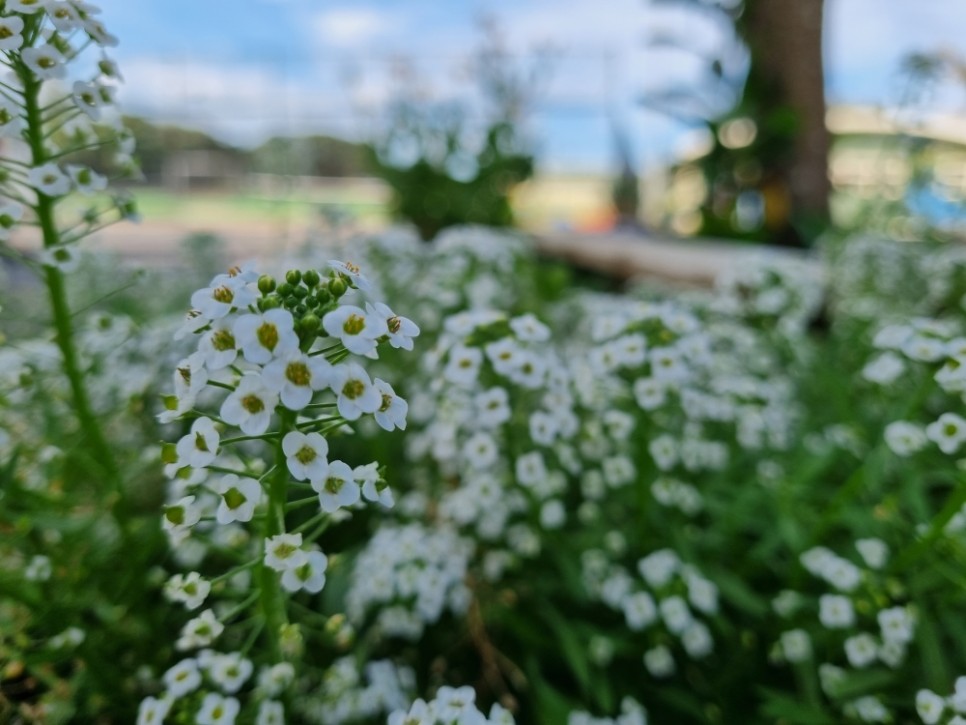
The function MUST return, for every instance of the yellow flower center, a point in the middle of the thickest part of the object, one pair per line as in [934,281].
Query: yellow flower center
[267,335]
[305,455]
[354,324]
[353,389]
[223,294]
[298,373]
[253,404]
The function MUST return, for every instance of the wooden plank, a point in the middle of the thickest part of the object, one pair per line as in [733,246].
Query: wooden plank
[630,255]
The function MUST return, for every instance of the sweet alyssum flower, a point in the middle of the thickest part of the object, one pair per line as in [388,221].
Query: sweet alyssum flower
[49,179]
[357,330]
[309,575]
[239,497]
[284,551]
[200,447]
[264,336]
[11,28]
[295,377]
[338,489]
[355,391]
[306,455]
[251,405]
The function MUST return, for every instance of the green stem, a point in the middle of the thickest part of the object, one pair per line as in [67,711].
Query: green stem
[271,597]
[44,209]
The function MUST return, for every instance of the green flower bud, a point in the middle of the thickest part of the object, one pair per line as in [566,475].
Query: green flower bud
[293,277]
[269,303]
[266,284]
[337,287]
[323,295]
[299,310]
[300,292]
[291,301]
[311,278]
[310,323]
[311,301]
[284,289]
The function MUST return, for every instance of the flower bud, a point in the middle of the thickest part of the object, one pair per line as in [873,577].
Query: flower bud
[299,310]
[337,286]
[310,323]
[311,278]
[269,303]
[266,284]
[300,292]
[293,277]
[284,289]
[291,641]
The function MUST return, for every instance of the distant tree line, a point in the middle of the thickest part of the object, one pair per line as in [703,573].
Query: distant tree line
[158,144]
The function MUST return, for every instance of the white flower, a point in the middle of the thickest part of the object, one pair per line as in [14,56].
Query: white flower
[179,517]
[11,122]
[948,432]
[796,645]
[309,576]
[357,331]
[306,455]
[861,650]
[221,296]
[11,28]
[373,487]
[296,376]
[905,438]
[217,710]
[896,624]
[200,631]
[284,551]
[480,450]
[392,412]
[199,448]
[266,335]
[639,610]
[338,489]
[38,569]
[64,16]
[190,376]
[27,7]
[958,699]
[239,497]
[230,671]
[85,180]
[529,329]
[930,706]
[463,366]
[353,273]
[218,346]
[190,589]
[98,33]
[251,405]
[87,99]
[884,369]
[492,407]
[543,428]
[49,179]
[835,611]
[697,640]
[183,678]
[676,614]
[659,661]
[63,257]
[503,354]
[270,712]
[356,394]
[45,61]
[659,567]
[401,330]
[153,711]
[875,552]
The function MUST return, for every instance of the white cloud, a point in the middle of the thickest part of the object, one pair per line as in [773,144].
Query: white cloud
[350,27]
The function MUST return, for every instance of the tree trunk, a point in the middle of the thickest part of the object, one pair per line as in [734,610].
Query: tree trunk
[785,41]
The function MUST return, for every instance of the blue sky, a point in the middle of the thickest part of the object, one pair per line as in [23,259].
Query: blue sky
[246,70]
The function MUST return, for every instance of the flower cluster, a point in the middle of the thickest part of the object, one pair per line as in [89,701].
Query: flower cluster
[276,363]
